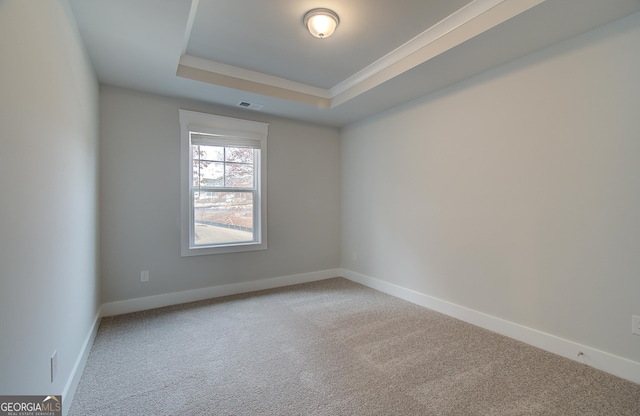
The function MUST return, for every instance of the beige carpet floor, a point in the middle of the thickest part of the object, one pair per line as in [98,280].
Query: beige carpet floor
[329,348]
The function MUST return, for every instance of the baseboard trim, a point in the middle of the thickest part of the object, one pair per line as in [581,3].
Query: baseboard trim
[76,373]
[176,298]
[612,364]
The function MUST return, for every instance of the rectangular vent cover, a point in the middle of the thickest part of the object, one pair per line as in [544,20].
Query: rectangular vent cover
[250,106]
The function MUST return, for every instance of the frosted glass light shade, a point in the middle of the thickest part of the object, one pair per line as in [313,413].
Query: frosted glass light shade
[321,22]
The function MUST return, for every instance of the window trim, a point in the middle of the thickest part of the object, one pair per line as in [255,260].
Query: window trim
[238,130]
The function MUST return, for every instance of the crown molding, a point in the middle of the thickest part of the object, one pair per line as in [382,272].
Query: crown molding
[470,21]
[466,23]
[187,33]
[455,20]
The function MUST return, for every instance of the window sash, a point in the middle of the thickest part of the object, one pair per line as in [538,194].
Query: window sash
[227,142]
[256,167]
[213,130]
[254,214]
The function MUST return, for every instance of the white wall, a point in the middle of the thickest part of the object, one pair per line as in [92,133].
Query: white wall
[515,193]
[49,291]
[140,191]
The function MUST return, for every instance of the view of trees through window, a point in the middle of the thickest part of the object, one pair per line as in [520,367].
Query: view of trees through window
[223,194]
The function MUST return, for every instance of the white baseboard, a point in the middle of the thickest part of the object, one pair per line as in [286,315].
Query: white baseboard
[168,299]
[76,373]
[618,366]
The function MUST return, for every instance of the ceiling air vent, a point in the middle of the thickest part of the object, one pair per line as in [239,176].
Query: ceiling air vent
[250,106]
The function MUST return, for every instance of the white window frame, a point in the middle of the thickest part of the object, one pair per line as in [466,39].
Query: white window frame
[229,131]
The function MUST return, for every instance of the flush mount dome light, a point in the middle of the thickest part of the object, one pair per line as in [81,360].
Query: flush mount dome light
[321,22]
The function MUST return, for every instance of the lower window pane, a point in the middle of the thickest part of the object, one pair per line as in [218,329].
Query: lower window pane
[222,218]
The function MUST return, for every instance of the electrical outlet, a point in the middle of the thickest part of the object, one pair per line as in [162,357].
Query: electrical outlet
[635,328]
[144,276]
[354,256]
[54,365]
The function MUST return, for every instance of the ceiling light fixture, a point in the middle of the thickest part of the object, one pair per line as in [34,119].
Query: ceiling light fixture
[321,22]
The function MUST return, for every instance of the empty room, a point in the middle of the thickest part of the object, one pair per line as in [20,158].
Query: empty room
[320,207]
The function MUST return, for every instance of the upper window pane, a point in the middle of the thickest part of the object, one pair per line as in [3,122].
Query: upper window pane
[229,167]
[208,173]
[239,155]
[239,175]
[208,153]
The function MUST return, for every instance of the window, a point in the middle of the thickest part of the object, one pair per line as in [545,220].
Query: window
[223,174]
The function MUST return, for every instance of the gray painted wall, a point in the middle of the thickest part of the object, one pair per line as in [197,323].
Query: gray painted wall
[140,191]
[515,193]
[49,295]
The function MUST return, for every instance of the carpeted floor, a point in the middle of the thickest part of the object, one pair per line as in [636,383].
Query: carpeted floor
[329,348]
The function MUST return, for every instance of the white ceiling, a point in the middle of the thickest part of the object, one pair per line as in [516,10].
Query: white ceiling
[383,53]
[262,35]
